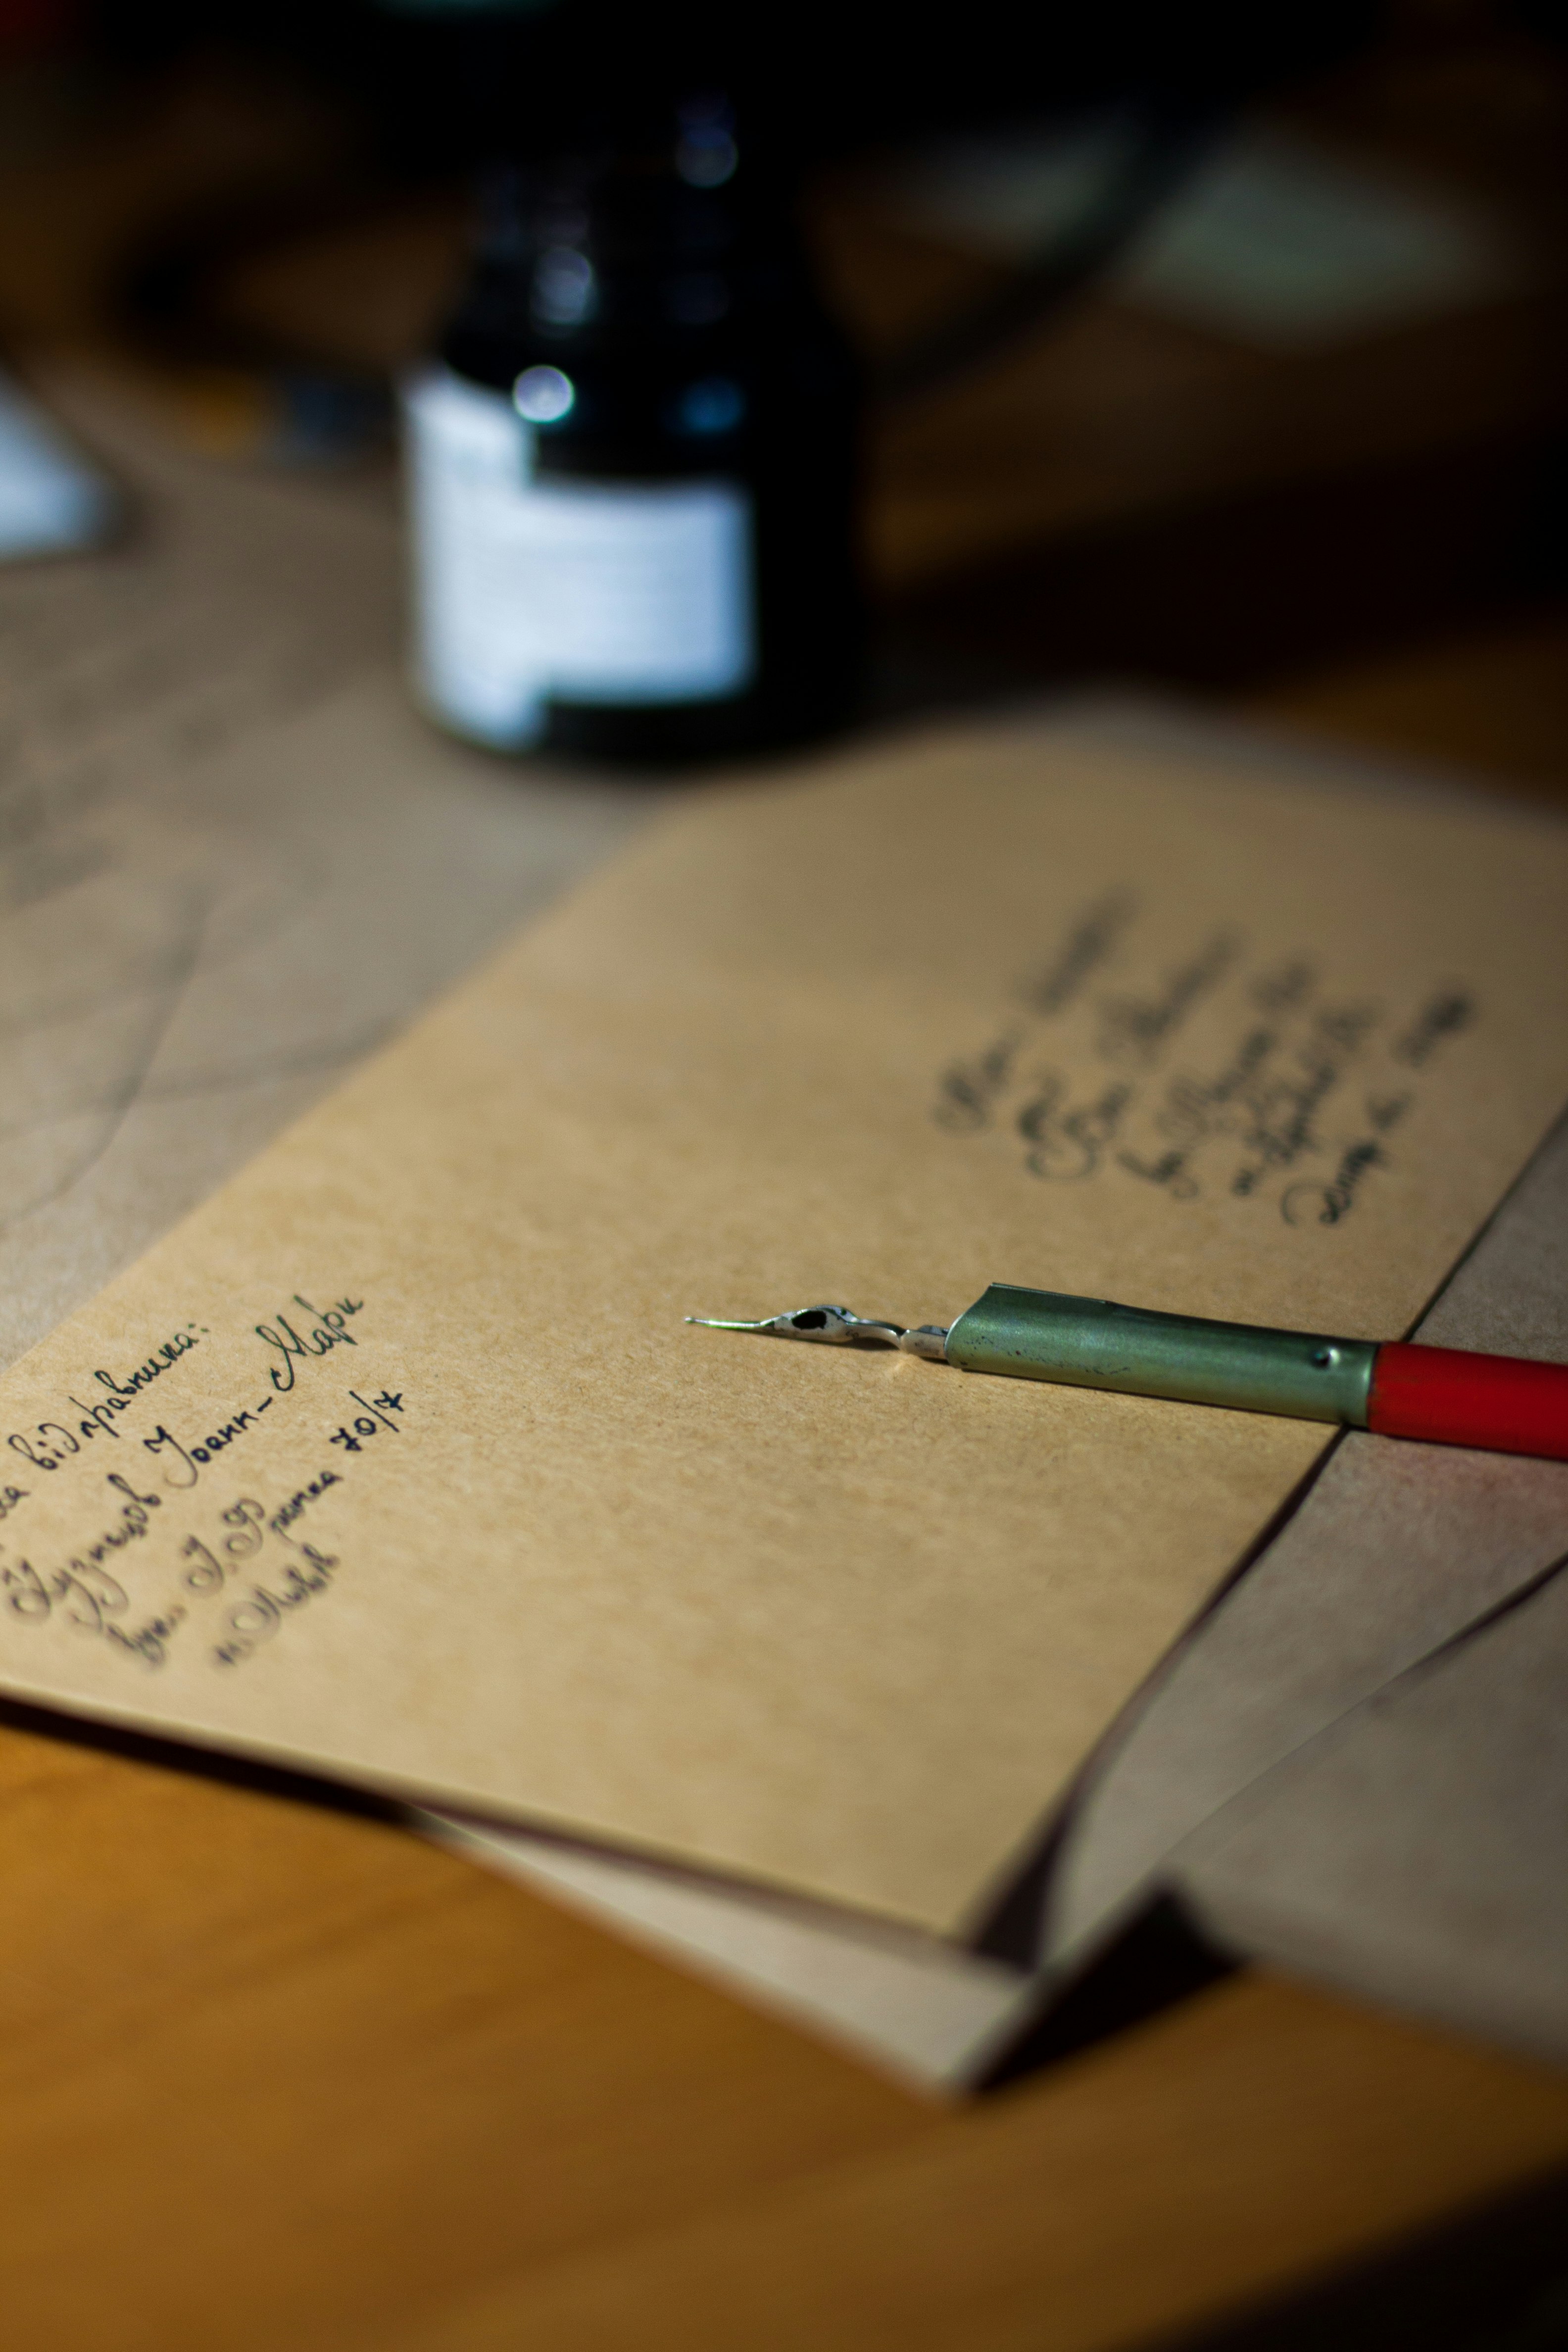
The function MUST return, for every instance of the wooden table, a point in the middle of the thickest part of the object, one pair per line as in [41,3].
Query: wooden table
[275,2073]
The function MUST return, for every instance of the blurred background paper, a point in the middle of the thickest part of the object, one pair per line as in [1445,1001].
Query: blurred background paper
[232,858]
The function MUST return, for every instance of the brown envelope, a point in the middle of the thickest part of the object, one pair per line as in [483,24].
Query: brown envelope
[402,1462]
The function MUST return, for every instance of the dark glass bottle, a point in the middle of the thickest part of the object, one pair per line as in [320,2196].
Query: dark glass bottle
[634,463]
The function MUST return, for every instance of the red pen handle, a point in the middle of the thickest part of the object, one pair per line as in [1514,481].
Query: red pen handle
[1504,1403]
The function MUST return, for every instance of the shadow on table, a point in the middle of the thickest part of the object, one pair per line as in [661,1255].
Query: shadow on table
[1491,2279]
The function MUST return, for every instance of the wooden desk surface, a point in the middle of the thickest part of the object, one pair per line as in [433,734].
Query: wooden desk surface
[275,2074]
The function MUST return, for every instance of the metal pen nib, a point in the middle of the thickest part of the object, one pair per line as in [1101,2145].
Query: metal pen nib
[835,1326]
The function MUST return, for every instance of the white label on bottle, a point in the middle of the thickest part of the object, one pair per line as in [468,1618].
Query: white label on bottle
[595,591]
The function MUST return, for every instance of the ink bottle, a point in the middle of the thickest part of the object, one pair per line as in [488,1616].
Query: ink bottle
[631,461]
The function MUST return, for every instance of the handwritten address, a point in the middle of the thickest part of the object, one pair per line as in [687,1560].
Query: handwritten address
[1094,1078]
[141,1580]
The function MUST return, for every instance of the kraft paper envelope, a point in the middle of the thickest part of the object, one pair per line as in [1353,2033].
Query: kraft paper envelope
[403,1464]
